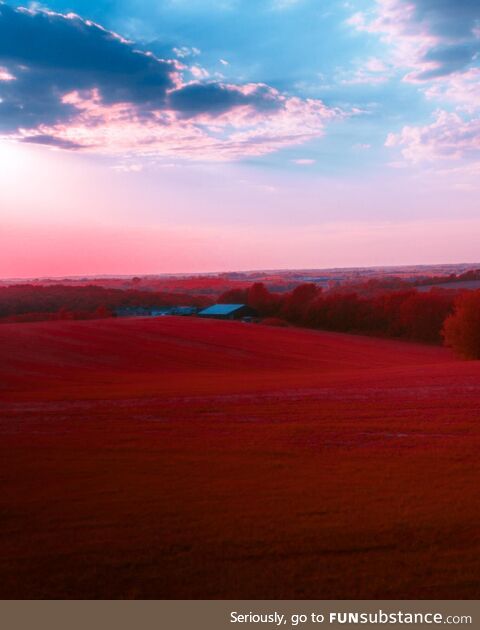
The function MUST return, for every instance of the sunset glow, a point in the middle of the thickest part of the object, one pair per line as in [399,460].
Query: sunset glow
[152,138]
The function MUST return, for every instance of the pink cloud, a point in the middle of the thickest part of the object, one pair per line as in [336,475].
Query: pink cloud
[304,161]
[461,89]
[394,21]
[5,75]
[373,71]
[449,137]
[240,131]
[199,72]
[125,101]
[374,64]
[423,40]
[434,45]
[362,77]
[186,51]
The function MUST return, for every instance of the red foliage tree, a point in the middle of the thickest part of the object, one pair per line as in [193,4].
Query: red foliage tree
[233,296]
[461,330]
[296,305]
[422,315]
[260,298]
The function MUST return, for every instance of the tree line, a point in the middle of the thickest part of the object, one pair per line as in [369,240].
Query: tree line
[436,316]
[26,302]
[433,317]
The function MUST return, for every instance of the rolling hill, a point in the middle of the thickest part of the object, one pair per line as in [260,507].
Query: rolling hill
[187,458]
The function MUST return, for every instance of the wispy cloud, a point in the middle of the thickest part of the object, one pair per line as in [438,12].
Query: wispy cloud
[186,51]
[304,161]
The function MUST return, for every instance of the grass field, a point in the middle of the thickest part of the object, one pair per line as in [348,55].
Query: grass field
[183,458]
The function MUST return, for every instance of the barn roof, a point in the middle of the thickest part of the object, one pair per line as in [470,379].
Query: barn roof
[221,309]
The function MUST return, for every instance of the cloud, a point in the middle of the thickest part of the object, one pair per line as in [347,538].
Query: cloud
[52,141]
[374,64]
[463,90]
[304,161]
[449,137]
[431,38]
[50,54]
[373,71]
[5,75]
[435,44]
[186,51]
[199,73]
[369,71]
[218,98]
[207,133]
[69,83]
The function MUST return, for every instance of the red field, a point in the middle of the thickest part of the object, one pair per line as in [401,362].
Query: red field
[181,458]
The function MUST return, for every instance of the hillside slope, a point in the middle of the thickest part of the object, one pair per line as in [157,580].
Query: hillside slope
[181,458]
[49,355]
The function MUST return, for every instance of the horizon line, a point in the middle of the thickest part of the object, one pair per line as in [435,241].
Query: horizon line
[232,271]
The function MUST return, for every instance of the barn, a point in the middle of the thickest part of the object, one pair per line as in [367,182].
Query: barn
[228,311]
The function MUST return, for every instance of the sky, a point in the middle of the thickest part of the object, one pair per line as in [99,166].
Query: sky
[175,136]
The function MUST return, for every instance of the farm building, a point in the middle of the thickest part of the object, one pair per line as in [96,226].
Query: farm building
[228,311]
